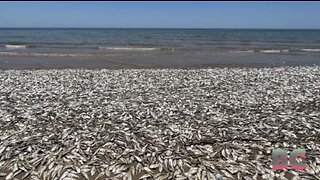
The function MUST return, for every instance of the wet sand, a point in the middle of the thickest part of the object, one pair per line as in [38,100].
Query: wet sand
[187,60]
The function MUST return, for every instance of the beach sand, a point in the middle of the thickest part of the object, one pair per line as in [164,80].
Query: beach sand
[179,60]
[157,123]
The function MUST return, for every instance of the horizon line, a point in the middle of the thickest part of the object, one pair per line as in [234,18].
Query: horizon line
[155,28]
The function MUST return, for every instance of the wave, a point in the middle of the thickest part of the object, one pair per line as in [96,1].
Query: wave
[274,51]
[244,51]
[311,50]
[261,51]
[33,54]
[41,54]
[15,46]
[130,48]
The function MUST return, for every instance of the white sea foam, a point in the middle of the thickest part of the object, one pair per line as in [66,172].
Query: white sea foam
[244,51]
[9,53]
[262,51]
[311,50]
[39,54]
[54,55]
[275,51]
[15,46]
[129,48]
[270,51]
[32,54]
[285,50]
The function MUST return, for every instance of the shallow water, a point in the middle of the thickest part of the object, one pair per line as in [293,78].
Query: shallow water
[158,47]
[100,42]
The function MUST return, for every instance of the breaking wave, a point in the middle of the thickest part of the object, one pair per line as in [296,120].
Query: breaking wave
[311,50]
[19,46]
[262,51]
[15,46]
[244,51]
[274,51]
[130,48]
[42,54]
[35,54]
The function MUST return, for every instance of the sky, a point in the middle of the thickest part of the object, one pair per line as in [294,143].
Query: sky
[279,15]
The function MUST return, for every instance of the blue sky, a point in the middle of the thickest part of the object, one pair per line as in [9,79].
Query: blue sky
[301,15]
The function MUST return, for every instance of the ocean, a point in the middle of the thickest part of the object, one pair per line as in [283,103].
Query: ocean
[101,42]
[104,43]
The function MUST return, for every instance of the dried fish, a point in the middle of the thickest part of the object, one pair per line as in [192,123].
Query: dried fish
[220,123]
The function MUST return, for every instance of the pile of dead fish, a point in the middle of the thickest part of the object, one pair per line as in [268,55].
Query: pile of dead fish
[219,123]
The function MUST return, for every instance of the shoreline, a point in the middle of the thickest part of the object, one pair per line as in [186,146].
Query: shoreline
[191,68]
[184,61]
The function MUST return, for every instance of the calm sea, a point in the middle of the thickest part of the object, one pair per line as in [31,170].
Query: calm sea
[113,42]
